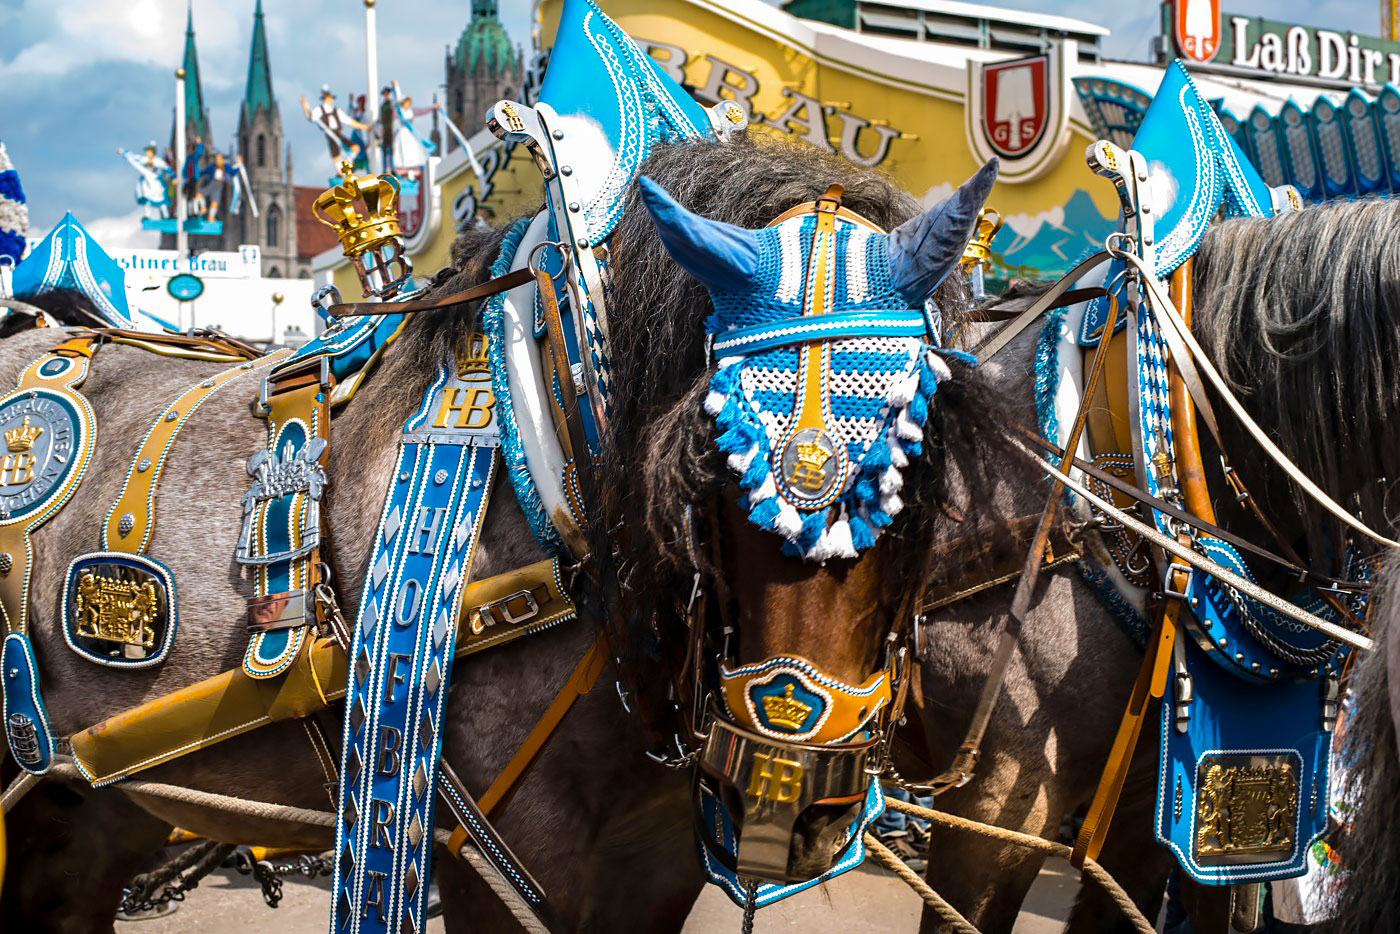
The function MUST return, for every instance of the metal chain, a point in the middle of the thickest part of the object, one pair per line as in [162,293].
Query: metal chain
[199,860]
[268,874]
[325,597]
[750,909]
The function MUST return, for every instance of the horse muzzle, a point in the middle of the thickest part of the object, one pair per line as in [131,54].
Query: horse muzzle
[788,760]
[777,793]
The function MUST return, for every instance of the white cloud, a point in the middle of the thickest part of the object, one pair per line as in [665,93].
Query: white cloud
[144,31]
[1027,225]
[936,194]
[117,233]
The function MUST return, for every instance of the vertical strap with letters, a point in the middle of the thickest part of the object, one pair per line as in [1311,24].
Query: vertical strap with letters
[401,651]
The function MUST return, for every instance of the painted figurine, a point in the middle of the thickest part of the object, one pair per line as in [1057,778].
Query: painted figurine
[153,174]
[410,147]
[344,134]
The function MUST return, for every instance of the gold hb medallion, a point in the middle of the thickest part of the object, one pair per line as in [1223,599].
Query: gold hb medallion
[812,466]
[1246,808]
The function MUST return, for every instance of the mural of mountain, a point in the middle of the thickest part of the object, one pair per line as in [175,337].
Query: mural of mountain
[1053,248]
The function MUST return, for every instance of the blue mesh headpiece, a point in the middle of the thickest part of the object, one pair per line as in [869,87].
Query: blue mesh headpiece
[826,356]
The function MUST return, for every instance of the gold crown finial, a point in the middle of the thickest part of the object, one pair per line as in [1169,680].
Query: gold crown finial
[979,248]
[786,712]
[23,437]
[362,210]
[473,357]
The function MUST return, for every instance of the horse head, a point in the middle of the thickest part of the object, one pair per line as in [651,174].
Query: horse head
[814,404]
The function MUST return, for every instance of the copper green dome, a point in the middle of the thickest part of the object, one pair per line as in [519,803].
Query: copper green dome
[484,40]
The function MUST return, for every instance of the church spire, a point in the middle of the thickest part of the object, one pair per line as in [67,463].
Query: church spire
[259,91]
[196,118]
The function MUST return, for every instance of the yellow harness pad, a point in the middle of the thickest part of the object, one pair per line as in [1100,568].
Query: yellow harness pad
[50,431]
[495,611]
[132,517]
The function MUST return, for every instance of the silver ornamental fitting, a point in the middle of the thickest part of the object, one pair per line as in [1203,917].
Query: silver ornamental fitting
[776,783]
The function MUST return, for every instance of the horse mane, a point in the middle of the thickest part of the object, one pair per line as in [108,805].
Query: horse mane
[1369,897]
[1301,312]
[68,306]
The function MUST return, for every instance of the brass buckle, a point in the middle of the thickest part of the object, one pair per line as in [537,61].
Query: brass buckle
[291,369]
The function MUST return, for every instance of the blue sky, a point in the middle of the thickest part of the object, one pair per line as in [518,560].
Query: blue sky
[80,77]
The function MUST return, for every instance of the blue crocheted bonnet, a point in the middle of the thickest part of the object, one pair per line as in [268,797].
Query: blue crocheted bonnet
[827,359]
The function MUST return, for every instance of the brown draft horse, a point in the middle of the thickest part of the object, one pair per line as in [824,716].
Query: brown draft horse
[605,830]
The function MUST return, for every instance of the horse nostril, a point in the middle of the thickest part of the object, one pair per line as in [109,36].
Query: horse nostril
[863,712]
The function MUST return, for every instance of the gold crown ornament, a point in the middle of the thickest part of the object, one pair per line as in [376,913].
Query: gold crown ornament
[473,356]
[786,711]
[23,437]
[978,252]
[363,212]
[811,459]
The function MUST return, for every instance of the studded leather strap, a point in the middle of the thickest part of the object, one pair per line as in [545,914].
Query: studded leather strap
[131,519]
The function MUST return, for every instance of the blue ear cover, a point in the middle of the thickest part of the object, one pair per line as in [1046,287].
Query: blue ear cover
[723,257]
[924,249]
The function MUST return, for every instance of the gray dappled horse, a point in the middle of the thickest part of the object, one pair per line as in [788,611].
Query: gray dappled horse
[606,831]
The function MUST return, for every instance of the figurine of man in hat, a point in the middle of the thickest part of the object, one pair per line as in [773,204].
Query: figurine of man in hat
[338,126]
[153,174]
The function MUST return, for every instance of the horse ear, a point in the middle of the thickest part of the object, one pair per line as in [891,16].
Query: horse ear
[924,249]
[722,256]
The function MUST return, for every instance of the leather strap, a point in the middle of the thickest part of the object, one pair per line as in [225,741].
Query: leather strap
[1184,346]
[1215,531]
[580,683]
[132,517]
[283,588]
[472,823]
[197,345]
[1151,683]
[572,438]
[1187,555]
[998,341]
[16,557]
[503,283]
[208,712]
[1072,297]
[965,761]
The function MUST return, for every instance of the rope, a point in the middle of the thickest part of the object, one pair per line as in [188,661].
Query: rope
[1090,868]
[286,813]
[17,790]
[894,864]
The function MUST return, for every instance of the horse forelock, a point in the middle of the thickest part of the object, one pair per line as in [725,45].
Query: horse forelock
[1302,314]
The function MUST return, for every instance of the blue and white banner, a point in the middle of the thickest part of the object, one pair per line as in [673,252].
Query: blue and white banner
[402,651]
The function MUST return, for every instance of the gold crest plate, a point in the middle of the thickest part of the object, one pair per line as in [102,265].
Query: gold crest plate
[119,609]
[1246,809]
